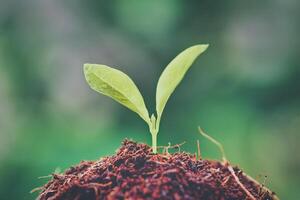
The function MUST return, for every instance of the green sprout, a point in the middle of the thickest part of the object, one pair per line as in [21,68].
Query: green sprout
[117,85]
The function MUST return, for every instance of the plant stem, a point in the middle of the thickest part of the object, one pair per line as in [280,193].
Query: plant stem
[153,131]
[154,142]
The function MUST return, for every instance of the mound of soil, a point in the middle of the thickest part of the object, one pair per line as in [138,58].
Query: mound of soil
[134,172]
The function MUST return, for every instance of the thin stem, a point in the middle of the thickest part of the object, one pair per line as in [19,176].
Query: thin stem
[153,131]
[154,141]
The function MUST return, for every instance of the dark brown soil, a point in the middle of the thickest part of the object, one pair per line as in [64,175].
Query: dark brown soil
[136,173]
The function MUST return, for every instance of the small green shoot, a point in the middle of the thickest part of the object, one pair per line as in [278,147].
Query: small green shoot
[117,85]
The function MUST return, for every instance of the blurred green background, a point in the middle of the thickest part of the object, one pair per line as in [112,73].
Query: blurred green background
[244,91]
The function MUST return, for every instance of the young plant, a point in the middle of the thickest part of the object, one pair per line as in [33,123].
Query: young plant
[117,85]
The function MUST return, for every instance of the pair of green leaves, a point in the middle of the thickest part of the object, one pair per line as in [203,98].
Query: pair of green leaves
[117,85]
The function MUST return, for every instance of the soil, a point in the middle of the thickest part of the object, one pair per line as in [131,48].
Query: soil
[134,172]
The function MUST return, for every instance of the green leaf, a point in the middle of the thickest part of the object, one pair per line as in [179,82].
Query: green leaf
[117,85]
[173,74]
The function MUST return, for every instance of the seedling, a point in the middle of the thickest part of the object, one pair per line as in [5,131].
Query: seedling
[117,85]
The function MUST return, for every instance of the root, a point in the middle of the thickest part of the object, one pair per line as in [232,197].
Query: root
[36,189]
[198,148]
[229,167]
[225,181]
[264,189]
[226,163]
[48,176]
[215,142]
[261,191]
[166,148]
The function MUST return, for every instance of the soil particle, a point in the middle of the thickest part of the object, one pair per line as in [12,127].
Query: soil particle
[134,172]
